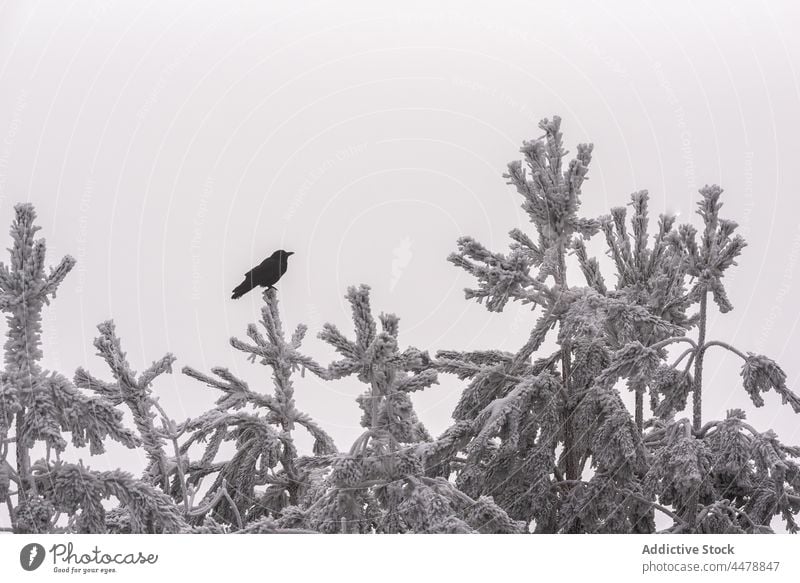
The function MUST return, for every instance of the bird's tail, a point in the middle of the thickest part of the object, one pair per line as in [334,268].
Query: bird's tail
[241,289]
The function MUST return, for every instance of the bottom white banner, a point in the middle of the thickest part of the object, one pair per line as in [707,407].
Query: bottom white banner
[120,558]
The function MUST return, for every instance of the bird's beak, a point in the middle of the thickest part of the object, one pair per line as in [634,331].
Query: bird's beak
[289,253]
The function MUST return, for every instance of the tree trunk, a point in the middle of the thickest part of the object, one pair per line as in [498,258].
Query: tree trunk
[697,400]
[571,471]
[639,411]
[570,455]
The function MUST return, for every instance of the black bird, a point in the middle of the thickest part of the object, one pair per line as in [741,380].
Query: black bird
[266,274]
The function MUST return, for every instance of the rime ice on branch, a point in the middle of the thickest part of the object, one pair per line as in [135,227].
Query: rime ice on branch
[653,278]
[135,393]
[551,198]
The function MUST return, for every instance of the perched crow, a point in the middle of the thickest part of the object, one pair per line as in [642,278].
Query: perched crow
[266,274]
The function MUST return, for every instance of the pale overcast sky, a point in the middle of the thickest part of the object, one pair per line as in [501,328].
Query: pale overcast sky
[170,146]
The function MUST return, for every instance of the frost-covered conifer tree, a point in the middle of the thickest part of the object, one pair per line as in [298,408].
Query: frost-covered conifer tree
[37,405]
[515,422]
[535,272]
[379,485]
[722,476]
[719,476]
[266,473]
[527,432]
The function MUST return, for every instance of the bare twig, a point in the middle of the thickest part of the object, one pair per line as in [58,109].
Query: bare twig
[724,345]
